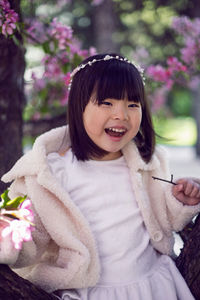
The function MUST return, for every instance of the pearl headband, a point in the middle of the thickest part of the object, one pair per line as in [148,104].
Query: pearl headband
[106,58]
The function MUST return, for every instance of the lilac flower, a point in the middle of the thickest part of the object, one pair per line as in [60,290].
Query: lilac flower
[97,2]
[8,28]
[175,65]
[36,31]
[25,212]
[21,227]
[158,72]
[8,18]
[20,232]
[52,68]
[159,98]
[62,33]
[4,4]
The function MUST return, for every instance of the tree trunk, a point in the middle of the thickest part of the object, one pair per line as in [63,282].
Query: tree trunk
[188,261]
[196,114]
[34,128]
[105,24]
[13,287]
[12,100]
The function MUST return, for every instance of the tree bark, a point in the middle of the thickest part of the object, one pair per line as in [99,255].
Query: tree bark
[196,114]
[188,261]
[13,287]
[12,100]
[105,25]
[34,128]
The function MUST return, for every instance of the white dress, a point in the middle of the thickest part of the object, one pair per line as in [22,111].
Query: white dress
[131,269]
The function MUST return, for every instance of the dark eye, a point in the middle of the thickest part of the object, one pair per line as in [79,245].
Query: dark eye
[106,103]
[133,105]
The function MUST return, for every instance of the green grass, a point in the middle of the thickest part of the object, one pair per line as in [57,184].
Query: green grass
[178,131]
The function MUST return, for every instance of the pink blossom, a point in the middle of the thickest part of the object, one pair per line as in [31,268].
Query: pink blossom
[36,30]
[37,115]
[25,211]
[92,51]
[175,65]
[8,28]
[20,232]
[194,83]
[182,25]
[97,2]
[67,78]
[159,97]
[52,68]
[191,52]
[11,16]
[64,100]
[4,4]
[158,73]
[8,19]
[20,229]
[39,83]
[62,33]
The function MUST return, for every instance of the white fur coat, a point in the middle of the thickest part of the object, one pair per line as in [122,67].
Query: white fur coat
[63,252]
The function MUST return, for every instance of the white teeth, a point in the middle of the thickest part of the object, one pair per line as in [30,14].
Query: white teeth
[117,129]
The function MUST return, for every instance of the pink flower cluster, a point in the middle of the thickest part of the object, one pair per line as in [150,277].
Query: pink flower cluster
[158,98]
[97,2]
[62,53]
[55,34]
[52,67]
[8,18]
[190,31]
[20,229]
[166,75]
[36,31]
[61,33]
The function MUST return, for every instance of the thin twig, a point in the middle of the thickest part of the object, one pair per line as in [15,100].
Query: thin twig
[171,181]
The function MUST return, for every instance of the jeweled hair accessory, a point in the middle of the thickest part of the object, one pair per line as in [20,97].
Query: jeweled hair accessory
[106,58]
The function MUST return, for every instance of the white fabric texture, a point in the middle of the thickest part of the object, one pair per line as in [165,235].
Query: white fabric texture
[63,253]
[130,267]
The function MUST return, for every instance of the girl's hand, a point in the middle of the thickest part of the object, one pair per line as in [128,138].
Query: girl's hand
[187,191]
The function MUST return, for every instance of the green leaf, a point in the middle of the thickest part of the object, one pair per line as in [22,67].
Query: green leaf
[14,203]
[5,199]
[16,41]
[46,47]
[8,203]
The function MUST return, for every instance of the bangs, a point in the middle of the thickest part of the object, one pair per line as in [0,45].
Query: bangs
[119,80]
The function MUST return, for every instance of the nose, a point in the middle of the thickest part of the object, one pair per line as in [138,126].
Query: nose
[120,112]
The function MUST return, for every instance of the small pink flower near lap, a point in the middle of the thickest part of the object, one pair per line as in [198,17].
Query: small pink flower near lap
[20,232]
[20,223]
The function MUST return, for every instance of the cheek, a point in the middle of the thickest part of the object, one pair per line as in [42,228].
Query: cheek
[91,123]
[136,120]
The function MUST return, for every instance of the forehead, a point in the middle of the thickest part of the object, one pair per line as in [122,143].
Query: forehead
[118,81]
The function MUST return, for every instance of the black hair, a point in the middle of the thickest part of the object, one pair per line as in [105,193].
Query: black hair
[116,79]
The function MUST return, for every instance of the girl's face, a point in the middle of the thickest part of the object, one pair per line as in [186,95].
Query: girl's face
[112,124]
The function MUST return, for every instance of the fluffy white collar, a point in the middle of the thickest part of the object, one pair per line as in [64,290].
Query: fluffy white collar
[57,140]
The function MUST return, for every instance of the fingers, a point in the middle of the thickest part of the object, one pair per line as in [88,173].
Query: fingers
[189,187]
[187,190]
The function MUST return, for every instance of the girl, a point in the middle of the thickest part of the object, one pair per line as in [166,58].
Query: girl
[103,223]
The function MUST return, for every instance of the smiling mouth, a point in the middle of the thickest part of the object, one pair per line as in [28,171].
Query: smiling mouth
[116,132]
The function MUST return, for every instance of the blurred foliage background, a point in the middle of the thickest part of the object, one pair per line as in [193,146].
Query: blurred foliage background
[140,30]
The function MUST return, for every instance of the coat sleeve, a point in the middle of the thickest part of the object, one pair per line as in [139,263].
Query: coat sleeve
[32,250]
[179,214]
